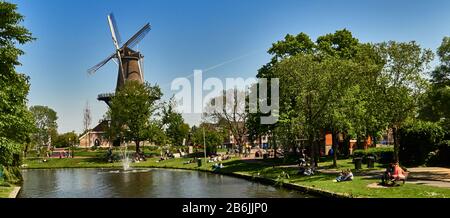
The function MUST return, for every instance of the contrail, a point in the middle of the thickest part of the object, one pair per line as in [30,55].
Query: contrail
[224,63]
[231,60]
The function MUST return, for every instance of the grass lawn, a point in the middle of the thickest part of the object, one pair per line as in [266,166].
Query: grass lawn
[272,169]
[5,189]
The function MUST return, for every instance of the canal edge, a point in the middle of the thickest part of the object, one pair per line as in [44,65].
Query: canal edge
[302,188]
[305,189]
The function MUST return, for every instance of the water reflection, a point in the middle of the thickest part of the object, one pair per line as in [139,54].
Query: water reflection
[140,183]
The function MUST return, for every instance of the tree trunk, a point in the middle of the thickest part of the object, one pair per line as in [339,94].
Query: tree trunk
[138,149]
[274,146]
[260,141]
[375,139]
[396,143]
[312,151]
[335,148]
[312,147]
[25,151]
[317,153]
[358,141]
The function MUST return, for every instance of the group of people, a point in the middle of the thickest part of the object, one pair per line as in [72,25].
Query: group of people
[137,157]
[304,167]
[218,158]
[217,166]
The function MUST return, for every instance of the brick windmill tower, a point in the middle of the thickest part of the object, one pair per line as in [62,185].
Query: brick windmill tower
[130,62]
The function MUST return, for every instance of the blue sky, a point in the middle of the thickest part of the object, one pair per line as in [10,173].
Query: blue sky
[193,34]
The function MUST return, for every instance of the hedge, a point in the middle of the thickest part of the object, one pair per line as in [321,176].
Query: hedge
[381,154]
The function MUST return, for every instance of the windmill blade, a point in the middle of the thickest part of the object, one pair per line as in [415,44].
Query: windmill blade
[113,31]
[93,69]
[116,44]
[141,67]
[136,38]
[116,28]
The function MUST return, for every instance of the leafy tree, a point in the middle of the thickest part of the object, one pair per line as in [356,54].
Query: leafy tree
[436,102]
[176,129]
[16,122]
[130,112]
[46,125]
[156,134]
[340,90]
[213,137]
[403,81]
[66,140]
[307,103]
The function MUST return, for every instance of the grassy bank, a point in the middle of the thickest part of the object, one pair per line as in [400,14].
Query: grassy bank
[5,189]
[272,169]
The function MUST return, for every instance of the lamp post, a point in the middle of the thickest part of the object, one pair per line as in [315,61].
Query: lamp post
[204,143]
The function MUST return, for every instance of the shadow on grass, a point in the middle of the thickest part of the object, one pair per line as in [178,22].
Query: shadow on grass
[313,178]
[246,166]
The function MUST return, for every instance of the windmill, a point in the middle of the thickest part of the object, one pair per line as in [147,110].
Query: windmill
[130,62]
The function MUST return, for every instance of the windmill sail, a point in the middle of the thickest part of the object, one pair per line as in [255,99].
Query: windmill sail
[136,38]
[93,69]
[116,28]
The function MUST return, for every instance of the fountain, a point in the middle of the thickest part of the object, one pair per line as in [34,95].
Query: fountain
[125,158]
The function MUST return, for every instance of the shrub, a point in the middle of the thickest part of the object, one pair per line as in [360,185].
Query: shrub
[420,142]
[381,154]
[439,157]
[11,174]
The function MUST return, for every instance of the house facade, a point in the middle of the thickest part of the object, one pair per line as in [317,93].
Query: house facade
[95,137]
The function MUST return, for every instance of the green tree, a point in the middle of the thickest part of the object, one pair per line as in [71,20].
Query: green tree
[16,122]
[436,102]
[354,80]
[404,83]
[130,112]
[213,137]
[156,134]
[66,140]
[176,129]
[45,121]
[307,103]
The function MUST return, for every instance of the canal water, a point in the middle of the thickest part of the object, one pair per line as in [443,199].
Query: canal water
[143,183]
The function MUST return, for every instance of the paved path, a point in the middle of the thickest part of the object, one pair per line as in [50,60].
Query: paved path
[15,192]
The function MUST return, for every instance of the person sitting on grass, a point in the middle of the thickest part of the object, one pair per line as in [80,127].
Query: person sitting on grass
[345,175]
[394,173]
[217,166]
[306,170]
